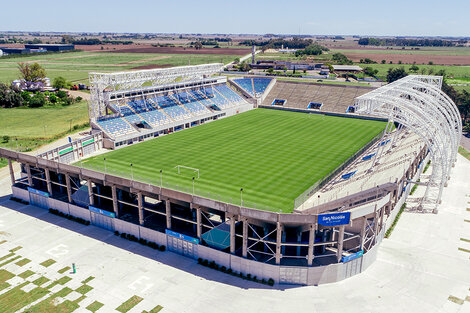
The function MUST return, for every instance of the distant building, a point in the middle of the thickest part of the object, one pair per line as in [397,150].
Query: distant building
[15,50]
[347,68]
[51,47]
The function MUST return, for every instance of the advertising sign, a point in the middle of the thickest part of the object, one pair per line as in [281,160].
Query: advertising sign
[334,219]
[102,212]
[351,257]
[181,236]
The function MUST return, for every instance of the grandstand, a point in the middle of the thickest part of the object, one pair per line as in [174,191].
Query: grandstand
[133,113]
[328,98]
[254,86]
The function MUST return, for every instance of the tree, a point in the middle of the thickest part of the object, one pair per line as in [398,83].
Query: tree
[394,74]
[61,94]
[9,98]
[383,61]
[198,45]
[414,68]
[341,59]
[38,100]
[32,72]
[59,82]
[370,71]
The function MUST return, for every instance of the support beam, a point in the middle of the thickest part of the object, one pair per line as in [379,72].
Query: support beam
[363,231]
[168,214]
[198,222]
[245,238]
[12,173]
[48,181]
[141,208]
[115,201]
[232,234]
[278,242]
[69,188]
[90,192]
[30,178]
[340,243]
[311,241]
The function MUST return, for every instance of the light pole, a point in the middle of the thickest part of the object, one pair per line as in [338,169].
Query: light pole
[104,161]
[132,173]
[241,196]
[193,186]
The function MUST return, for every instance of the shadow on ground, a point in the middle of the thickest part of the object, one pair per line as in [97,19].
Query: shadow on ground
[169,258]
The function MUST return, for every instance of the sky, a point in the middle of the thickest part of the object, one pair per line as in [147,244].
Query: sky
[327,17]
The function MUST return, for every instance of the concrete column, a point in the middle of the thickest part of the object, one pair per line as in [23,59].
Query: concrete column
[69,188]
[232,234]
[382,213]
[12,173]
[115,201]
[363,231]
[90,192]
[340,243]
[245,238]
[30,178]
[168,214]
[198,222]
[311,241]
[141,208]
[48,181]
[376,224]
[279,236]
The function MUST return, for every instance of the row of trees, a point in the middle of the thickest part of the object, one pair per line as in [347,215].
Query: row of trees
[294,43]
[10,98]
[409,42]
[313,49]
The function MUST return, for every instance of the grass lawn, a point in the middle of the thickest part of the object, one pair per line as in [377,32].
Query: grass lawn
[75,66]
[273,155]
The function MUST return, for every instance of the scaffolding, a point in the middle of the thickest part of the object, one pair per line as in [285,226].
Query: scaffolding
[101,84]
[417,103]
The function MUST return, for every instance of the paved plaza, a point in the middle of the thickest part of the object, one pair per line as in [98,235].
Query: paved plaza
[423,267]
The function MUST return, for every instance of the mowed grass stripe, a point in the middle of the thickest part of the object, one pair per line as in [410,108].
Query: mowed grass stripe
[273,155]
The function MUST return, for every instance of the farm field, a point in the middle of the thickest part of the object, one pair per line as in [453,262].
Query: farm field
[273,155]
[29,128]
[75,66]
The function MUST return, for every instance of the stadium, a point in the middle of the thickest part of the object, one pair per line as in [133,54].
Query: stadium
[290,181]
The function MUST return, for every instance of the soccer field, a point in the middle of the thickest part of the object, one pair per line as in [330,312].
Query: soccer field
[273,155]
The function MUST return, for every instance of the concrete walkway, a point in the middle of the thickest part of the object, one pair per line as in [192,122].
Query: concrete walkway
[418,268]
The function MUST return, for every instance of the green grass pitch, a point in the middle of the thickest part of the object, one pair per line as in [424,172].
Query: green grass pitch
[273,155]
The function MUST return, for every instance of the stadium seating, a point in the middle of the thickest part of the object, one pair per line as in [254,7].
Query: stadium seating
[196,108]
[160,110]
[227,94]
[254,86]
[116,127]
[155,118]
[176,112]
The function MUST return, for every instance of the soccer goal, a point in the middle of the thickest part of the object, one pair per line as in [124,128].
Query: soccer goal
[187,171]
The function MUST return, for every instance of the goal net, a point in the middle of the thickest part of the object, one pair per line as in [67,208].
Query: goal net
[187,171]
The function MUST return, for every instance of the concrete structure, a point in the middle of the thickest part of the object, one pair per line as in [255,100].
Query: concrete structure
[322,241]
[347,68]
[51,47]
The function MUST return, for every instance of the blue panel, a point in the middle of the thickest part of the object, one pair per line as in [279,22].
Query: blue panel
[334,219]
[368,157]
[181,236]
[102,212]
[38,192]
[351,257]
[348,175]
